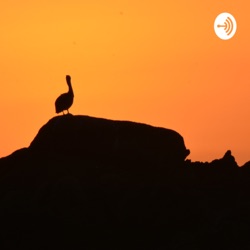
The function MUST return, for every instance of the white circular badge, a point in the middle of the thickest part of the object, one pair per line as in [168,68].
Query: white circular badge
[225,26]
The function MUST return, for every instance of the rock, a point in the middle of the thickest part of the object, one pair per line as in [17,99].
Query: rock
[246,165]
[85,137]
[91,183]
[227,161]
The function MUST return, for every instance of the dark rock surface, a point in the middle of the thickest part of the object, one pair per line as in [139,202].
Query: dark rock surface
[84,136]
[90,183]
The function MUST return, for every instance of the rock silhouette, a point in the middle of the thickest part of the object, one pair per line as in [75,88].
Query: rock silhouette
[64,101]
[91,183]
[78,136]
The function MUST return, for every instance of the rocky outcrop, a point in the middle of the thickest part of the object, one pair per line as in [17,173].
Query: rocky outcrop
[91,183]
[83,136]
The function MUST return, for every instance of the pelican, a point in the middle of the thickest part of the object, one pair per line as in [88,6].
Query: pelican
[64,101]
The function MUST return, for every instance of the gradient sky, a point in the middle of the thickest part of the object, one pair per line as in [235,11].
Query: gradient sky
[157,62]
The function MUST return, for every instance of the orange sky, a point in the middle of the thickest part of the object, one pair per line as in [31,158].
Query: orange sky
[157,62]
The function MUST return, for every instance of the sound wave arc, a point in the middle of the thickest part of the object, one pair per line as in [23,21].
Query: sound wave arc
[228,26]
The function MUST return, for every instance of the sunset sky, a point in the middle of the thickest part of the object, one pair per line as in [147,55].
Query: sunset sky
[157,62]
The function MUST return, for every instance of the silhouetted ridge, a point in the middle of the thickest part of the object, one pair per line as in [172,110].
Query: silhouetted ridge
[92,183]
[85,136]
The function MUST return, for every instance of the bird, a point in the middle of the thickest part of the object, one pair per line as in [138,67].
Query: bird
[64,101]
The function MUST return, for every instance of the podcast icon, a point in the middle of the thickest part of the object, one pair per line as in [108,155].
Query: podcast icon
[225,26]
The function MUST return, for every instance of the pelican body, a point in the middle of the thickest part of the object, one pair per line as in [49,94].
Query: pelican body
[64,101]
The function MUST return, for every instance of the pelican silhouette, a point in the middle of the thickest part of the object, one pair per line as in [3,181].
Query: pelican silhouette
[64,101]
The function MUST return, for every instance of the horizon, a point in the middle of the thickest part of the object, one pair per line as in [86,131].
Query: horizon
[159,64]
